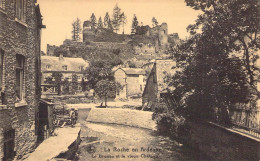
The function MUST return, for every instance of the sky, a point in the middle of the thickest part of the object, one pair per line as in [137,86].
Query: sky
[58,15]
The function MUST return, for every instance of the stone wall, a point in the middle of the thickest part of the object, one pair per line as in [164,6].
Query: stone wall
[133,85]
[224,144]
[120,77]
[19,37]
[148,49]
[151,88]
[50,49]
[161,32]
[128,117]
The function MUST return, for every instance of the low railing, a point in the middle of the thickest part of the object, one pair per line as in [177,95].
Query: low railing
[249,120]
[49,89]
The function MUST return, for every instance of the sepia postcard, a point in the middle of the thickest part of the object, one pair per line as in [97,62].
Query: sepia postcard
[148,80]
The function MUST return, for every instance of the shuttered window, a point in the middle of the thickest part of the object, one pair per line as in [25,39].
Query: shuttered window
[20,77]
[20,10]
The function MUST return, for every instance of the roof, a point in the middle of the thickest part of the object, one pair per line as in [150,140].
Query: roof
[57,63]
[136,71]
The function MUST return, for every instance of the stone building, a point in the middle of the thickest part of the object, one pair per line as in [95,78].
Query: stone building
[160,33]
[67,66]
[131,80]
[156,88]
[51,49]
[88,32]
[20,28]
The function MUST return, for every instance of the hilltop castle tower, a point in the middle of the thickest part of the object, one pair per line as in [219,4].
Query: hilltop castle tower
[88,32]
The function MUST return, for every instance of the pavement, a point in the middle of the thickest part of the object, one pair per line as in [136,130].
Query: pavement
[54,145]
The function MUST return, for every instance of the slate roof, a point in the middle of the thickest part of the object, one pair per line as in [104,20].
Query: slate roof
[57,63]
[130,71]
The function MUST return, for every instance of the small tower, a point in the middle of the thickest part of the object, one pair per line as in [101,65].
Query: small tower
[88,33]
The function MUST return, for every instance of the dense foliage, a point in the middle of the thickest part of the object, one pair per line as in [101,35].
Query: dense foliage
[100,70]
[217,64]
[105,88]
[76,30]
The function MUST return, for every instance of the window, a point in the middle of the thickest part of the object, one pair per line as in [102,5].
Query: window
[70,78]
[9,145]
[2,4]
[20,77]
[141,88]
[65,67]
[79,78]
[48,67]
[81,68]
[1,68]
[20,13]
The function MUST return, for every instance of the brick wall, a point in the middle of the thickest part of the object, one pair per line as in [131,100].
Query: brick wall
[17,37]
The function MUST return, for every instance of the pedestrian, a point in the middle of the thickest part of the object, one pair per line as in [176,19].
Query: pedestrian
[72,117]
[76,115]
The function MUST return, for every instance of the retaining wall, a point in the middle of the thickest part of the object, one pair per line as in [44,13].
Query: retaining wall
[224,144]
[128,117]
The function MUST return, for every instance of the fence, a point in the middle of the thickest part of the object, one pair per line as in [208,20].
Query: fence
[247,119]
[49,89]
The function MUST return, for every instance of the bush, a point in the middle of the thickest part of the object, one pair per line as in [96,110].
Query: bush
[170,124]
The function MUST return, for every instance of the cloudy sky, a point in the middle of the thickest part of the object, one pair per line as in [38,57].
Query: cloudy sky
[59,14]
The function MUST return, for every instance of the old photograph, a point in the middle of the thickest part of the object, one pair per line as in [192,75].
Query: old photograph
[133,80]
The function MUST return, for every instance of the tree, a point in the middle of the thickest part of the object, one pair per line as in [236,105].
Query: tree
[106,20]
[74,84]
[66,85]
[57,77]
[61,50]
[76,30]
[49,80]
[123,20]
[238,22]
[213,74]
[134,24]
[154,21]
[93,21]
[107,23]
[105,89]
[100,69]
[100,23]
[116,21]
[110,26]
